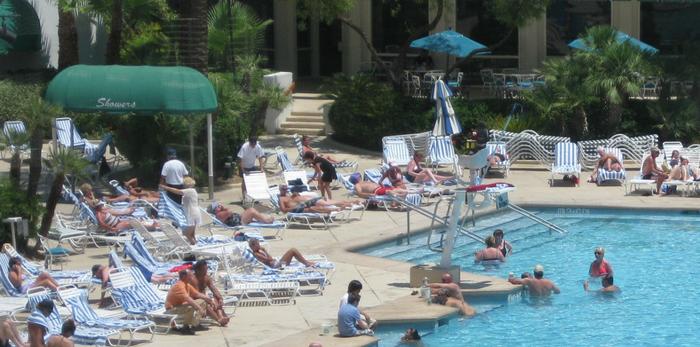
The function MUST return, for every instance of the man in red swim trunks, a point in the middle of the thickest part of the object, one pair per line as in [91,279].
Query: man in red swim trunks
[600,267]
[366,189]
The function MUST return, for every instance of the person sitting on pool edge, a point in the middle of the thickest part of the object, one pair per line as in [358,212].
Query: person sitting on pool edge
[538,286]
[448,293]
[349,322]
[608,286]
[354,287]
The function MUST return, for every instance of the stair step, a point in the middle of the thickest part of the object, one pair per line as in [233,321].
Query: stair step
[316,96]
[309,125]
[301,131]
[298,118]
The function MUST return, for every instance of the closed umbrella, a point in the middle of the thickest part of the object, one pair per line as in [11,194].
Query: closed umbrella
[619,37]
[445,123]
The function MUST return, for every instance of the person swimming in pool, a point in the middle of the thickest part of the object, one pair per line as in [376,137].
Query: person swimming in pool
[489,254]
[538,286]
[600,267]
[502,245]
[608,286]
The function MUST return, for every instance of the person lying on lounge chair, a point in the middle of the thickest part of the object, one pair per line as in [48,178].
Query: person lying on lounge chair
[297,203]
[109,221]
[136,192]
[264,257]
[19,280]
[233,219]
[607,161]
[306,145]
[394,175]
[367,189]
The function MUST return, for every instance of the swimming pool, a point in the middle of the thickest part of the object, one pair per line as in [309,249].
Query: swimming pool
[654,255]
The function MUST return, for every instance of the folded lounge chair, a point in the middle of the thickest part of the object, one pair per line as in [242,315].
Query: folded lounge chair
[565,161]
[256,187]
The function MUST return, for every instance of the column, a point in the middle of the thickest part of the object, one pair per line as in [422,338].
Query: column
[447,21]
[353,47]
[285,29]
[625,16]
[532,44]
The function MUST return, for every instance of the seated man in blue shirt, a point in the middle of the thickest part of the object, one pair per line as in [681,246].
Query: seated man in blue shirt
[349,322]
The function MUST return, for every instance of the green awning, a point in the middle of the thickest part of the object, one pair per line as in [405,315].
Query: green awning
[20,29]
[139,89]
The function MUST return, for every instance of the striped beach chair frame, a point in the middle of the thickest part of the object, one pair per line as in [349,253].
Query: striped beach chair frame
[607,177]
[441,151]
[566,160]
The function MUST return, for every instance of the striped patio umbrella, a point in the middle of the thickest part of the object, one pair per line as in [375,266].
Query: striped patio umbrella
[445,123]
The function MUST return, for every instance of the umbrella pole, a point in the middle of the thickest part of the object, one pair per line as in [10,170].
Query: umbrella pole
[210,155]
[192,148]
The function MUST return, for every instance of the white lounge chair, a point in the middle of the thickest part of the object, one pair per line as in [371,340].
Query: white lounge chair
[256,187]
[637,182]
[68,136]
[396,151]
[11,130]
[565,161]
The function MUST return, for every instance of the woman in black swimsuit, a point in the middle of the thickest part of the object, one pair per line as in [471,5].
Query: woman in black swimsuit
[325,169]
[416,173]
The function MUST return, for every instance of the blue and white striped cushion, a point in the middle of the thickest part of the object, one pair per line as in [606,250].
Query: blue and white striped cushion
[169,209]
[566,154]
[498,147]
[5,276]
[84,315]
[284,161]
[605,175]
[441,150]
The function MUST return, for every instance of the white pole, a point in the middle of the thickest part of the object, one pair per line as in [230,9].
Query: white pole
[446,260]
[210,154]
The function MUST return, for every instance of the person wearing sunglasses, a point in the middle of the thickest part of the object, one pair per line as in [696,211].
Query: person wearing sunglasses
[600,267]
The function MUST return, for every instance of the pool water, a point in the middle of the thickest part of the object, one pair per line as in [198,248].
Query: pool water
[655,257]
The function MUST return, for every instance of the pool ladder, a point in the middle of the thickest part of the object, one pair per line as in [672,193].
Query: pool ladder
[443,222]
[537,218]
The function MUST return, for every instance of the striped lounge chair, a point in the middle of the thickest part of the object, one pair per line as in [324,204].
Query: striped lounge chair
[606,177]
[566,161]
[68,136]
[441,151]
[500,148]
[395,150]
[84,335]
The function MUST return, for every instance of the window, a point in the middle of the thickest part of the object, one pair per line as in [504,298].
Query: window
[670,27]
[394,21]
[567,19]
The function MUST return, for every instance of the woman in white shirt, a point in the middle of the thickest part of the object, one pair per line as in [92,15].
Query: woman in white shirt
[190,204]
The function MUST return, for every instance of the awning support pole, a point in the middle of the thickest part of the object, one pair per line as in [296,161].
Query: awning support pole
[210,155]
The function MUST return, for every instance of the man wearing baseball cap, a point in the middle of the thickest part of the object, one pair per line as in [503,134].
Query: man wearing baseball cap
[537,286]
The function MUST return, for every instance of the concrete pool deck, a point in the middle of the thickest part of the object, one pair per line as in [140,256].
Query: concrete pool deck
[386,292]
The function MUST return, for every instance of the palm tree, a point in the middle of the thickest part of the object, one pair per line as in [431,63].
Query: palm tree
[61,163]
[114,41]
[67,34]
[199,55]
[248,32]
[37,115]
[615,70]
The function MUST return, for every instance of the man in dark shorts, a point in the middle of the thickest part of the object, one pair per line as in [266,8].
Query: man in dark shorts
[249,152]
[650,171]
[296,203]
[233,219]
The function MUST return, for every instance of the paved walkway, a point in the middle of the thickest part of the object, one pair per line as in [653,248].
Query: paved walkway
[386,281]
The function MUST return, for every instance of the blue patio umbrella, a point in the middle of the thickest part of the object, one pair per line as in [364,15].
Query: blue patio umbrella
[450,42]
[445,121]
[580,43]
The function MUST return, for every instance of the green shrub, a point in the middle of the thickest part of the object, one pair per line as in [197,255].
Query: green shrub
[14,203]
[15,93]
[365,110]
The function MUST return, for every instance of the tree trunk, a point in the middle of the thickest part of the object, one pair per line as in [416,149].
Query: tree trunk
[67,40]
[401,61]
[36,141]
[15,168]
[200,36]
[51,202]
[114,41]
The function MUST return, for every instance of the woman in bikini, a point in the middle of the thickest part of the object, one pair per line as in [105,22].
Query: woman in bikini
[18,278]
[416,173]
[490,254]
[600,267]
[394,175]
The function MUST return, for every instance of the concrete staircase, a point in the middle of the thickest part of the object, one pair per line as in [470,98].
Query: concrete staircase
[307,115]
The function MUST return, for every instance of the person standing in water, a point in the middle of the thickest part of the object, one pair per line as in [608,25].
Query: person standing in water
[502,245]
[600,267]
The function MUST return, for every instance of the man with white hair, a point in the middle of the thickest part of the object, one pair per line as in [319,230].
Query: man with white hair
[537,286]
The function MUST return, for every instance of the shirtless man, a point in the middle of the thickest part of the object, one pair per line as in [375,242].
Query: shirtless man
[608,286]
[264,257]
[538,286]
[650,171]
[449,294]
[297,203]
[367,189]
[233,219]
[201,281]
[63,340]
